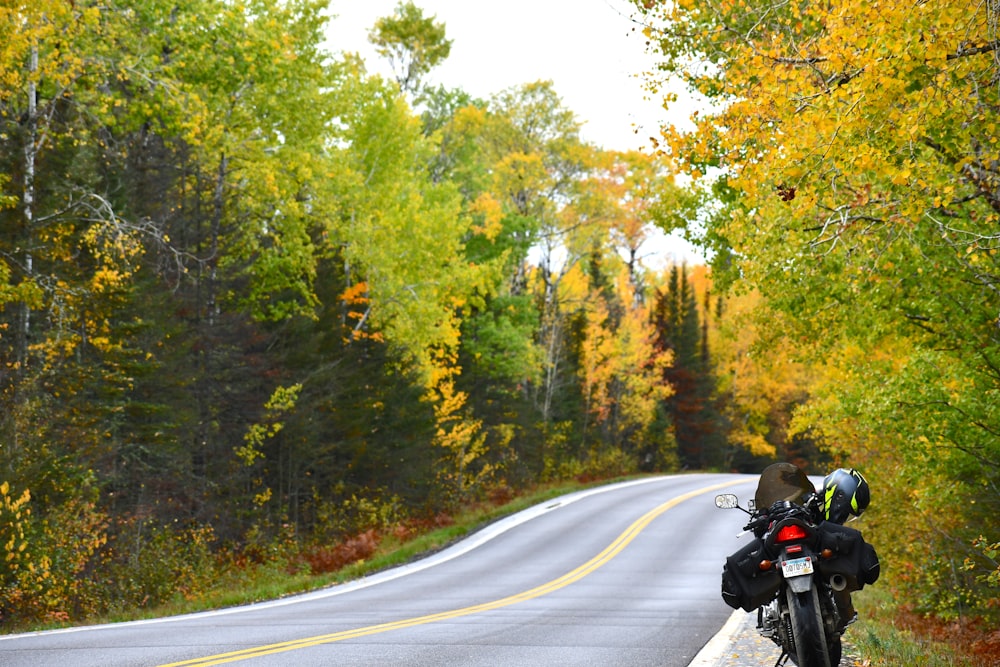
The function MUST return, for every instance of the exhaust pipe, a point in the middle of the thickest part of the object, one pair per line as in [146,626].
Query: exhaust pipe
[838,582]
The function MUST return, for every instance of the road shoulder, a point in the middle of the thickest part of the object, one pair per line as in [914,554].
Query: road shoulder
[738,644]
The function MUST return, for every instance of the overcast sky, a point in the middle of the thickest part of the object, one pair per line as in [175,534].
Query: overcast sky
[590,49]
[587,48]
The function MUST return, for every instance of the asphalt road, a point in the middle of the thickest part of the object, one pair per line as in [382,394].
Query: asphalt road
[621,575]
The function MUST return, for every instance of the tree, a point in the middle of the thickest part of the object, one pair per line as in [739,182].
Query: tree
[50,221]
[414,45]
[853,142]
[162,176]
[678,323]
[764,380]
[515,160]
[621,369]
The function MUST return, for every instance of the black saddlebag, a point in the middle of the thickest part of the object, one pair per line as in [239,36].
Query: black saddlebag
[853,558]
[743,583]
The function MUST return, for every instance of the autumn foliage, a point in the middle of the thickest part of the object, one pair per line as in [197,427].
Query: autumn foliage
[850,152]
[260,307]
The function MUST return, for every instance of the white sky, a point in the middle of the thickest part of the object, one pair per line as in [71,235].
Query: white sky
[590,49]
[586,47]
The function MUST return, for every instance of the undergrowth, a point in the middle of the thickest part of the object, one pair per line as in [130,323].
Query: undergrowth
[891,634]
[237,580]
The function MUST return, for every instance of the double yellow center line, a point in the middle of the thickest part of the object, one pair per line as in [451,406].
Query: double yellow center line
[593,564]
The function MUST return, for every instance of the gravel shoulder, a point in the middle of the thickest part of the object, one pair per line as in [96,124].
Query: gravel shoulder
[744,647]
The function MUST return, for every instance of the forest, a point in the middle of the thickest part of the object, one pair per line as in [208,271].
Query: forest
[257,303]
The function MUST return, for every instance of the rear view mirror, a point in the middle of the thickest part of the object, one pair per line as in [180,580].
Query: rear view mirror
[727,501]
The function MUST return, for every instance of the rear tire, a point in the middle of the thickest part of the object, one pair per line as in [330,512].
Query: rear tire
[836,651]
[807,629]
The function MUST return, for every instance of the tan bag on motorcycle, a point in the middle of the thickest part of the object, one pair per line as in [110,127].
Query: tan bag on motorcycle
[782,481]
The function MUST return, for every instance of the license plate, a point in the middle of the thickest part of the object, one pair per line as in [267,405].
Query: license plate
[796,567]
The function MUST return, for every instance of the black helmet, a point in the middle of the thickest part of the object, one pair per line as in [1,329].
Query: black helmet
[845,493]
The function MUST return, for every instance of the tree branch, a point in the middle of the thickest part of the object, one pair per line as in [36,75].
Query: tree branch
[966,51]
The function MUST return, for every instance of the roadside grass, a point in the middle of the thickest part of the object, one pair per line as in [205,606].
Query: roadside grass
[883,641]
[236,586]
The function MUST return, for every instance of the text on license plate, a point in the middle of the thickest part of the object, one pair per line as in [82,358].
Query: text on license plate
[797,566]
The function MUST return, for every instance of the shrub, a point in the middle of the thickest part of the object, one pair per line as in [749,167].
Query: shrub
[323,559]
[149,564]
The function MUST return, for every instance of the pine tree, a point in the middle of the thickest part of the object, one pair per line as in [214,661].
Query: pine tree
[698,426]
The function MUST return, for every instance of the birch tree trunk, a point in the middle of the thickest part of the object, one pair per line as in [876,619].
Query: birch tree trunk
[28,200]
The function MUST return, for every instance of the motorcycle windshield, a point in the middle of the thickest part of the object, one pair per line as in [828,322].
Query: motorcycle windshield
[782,481]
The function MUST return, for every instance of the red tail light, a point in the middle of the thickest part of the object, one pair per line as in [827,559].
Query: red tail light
[790,533]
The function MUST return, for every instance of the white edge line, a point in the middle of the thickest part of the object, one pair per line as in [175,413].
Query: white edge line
[710,655]
[469,543]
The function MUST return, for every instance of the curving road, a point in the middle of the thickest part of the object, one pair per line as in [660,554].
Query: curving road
[626,574]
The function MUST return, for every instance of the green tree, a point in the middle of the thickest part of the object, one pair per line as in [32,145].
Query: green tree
[413,44]
[682,330]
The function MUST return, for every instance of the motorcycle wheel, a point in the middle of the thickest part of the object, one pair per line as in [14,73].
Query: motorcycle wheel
[807,629]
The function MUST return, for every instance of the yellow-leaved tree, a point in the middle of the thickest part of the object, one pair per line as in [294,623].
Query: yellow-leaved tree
[853,152]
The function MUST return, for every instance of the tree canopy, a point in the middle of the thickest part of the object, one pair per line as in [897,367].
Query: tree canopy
[851,152]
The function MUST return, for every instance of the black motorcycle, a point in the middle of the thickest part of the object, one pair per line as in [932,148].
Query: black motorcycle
[803,563]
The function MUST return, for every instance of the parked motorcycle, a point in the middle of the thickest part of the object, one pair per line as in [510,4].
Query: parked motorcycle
[803,563]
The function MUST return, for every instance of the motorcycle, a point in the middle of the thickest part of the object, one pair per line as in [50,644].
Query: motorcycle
[799,571]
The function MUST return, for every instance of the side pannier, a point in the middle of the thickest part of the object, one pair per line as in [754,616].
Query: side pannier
[853,558]
[743,583]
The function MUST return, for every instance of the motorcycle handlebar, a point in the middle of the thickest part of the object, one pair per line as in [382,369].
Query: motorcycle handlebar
[759,521]
[811,509]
